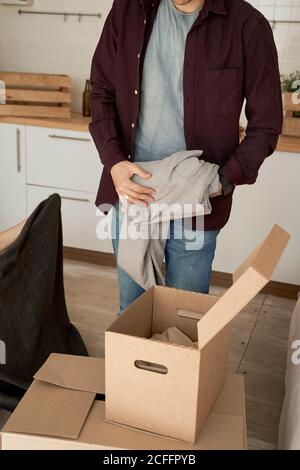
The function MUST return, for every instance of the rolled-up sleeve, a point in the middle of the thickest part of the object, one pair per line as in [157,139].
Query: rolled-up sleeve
[105,123]
[264,110]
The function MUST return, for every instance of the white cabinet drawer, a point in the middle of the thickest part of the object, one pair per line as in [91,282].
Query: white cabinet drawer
[62,159]
[79,217]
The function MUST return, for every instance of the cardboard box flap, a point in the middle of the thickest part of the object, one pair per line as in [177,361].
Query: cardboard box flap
[266,256]
[250,278]
[48,410]
[74,372]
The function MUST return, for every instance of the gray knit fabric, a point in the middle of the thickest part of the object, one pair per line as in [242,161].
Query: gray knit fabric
[183,183]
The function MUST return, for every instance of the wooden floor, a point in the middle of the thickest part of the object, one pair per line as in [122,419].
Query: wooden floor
[258,342]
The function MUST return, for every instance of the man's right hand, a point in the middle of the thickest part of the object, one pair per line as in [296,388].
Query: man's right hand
[122,174]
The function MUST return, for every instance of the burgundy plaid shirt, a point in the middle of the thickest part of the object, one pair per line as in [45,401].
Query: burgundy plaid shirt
[230,56]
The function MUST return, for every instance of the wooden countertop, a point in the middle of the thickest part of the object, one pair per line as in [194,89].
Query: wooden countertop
[80,123]
[288,144]
[76,123]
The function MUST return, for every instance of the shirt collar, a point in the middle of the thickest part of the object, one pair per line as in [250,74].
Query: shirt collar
[218,6]
[214,6]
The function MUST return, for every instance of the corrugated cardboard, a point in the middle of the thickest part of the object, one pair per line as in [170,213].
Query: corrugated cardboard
[39,423]
[73,372]
[48,409]
[253,274]
[175,401]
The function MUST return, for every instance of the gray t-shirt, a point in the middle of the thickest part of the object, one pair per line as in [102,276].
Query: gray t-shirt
[160,127]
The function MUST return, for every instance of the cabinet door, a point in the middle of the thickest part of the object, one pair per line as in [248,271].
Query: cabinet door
[80,217]
[63,159]
[12,175]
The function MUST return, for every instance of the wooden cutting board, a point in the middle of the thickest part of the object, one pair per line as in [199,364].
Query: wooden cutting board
[35,95]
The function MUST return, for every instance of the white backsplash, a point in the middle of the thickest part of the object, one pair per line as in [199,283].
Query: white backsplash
[48,44]
[287,36]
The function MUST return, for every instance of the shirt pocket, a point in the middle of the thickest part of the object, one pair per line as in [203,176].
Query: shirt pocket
[223,90]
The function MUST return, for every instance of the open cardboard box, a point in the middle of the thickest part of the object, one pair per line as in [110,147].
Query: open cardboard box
[60,411]
[169,389]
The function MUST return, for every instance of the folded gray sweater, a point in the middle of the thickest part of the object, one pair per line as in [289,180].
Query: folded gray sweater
[183,184]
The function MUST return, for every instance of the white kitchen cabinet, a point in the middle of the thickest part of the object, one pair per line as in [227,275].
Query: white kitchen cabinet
[66,162]
[79,217]
[12,175]
[273,199]
[36,162]
[63,159]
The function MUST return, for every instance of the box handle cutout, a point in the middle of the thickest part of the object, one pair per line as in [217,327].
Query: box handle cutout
[151,367]
[190,315]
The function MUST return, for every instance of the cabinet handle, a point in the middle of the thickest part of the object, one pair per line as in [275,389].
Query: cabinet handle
[18,136]
[78,199]
[64,137]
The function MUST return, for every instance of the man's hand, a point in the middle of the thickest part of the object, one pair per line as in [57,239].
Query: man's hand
[122,174]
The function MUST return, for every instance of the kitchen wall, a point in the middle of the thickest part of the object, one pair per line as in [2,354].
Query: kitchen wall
[47,44]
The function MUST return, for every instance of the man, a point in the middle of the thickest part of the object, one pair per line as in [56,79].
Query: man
[169,75]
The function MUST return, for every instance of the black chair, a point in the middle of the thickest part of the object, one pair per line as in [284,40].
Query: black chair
[33,316]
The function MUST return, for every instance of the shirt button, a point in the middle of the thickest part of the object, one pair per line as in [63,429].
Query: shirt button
[133,125]
[139,55]
[145,21]
[136,92]
[129,157]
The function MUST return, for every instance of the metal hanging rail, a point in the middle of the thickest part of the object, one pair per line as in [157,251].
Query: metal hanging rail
[57,13]
[98,15]
[275,22]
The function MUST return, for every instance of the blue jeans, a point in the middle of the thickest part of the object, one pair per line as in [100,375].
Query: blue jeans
[187,269]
